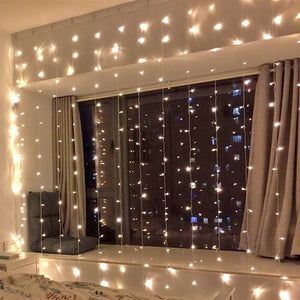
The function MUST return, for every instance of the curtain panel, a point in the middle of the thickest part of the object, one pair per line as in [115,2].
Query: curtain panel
[271,224]
[68,160]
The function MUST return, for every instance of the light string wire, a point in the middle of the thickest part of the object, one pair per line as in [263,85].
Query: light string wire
[140,159]
[73,144]
[164,21]
[119,148]
[97,120]
[58,125]
[140,174]
[247,168]
[279,148]
[18,122]
[218,188]
[96,140]
[190,153]
[38,57]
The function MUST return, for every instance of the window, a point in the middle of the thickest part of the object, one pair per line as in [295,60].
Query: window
[175,163]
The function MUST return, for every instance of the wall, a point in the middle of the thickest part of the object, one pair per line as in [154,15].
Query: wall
[7,200]
[10,204]
[32,130]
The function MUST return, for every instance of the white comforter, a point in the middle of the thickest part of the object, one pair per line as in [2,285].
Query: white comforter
[37,287]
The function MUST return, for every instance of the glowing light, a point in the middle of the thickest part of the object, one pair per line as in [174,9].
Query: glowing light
[70,71]
[166,20]
[284,295]
[225,278]
[76,272]
[122,269]
[142,60]
[245,23]
[96,85]
[212,7]
[14,97]
[19,53]
[116,48]
[257,292]
[194,283]
[75,55]
[277,20]
[149,283]
[144,26]
[75,38]
[267,36]
[237,42]
[121,29]
[97,35]
[172,271]
[218,26]
[142,40]
[194,30]
[298,16]
[41,74]
[104,283]
[103,266]
[165,39]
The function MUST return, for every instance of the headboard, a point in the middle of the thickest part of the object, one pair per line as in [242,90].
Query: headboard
[50,216]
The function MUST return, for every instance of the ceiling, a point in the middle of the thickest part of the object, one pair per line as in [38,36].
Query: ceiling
[19,15]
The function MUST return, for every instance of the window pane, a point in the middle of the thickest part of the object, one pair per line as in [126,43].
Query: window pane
[144,163]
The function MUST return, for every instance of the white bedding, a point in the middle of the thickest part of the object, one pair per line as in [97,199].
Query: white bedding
[37,287]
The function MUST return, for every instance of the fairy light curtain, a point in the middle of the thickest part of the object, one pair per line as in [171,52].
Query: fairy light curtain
[271,225]
[69,163]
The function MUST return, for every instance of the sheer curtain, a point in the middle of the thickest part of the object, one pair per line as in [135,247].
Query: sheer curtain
[271,225]
[69,164]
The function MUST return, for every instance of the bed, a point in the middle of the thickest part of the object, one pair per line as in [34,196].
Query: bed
[38,287]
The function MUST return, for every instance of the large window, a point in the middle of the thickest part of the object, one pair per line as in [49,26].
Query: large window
[153,158]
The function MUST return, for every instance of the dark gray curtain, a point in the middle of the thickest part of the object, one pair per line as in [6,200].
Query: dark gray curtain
[68,162]
[271,225]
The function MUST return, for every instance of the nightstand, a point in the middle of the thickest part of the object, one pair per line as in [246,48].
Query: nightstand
[24,264]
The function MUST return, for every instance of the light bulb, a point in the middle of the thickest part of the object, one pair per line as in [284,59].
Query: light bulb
[116,48]
[142,60]
[166,20]
[75,38]
[277,20]
[165,39]
[245,23]
[218,26]
[141,40]
[122,28]
[267,36]
[144,26]
[70,71]
[237,42]
[194,30]
[97,35]
[75,55]
[41,74]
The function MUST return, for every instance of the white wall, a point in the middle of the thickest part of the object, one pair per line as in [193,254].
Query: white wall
[9,203]
[31,131]
[7,200]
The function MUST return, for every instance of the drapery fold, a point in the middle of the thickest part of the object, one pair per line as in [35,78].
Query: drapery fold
[68,164]
[271,224]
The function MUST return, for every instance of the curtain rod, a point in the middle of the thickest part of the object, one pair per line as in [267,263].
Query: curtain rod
[171,83]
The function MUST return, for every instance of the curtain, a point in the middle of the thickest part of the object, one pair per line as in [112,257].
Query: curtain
[68,162]
[271,224]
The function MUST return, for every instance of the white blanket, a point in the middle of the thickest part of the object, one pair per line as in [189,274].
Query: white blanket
[38,287]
